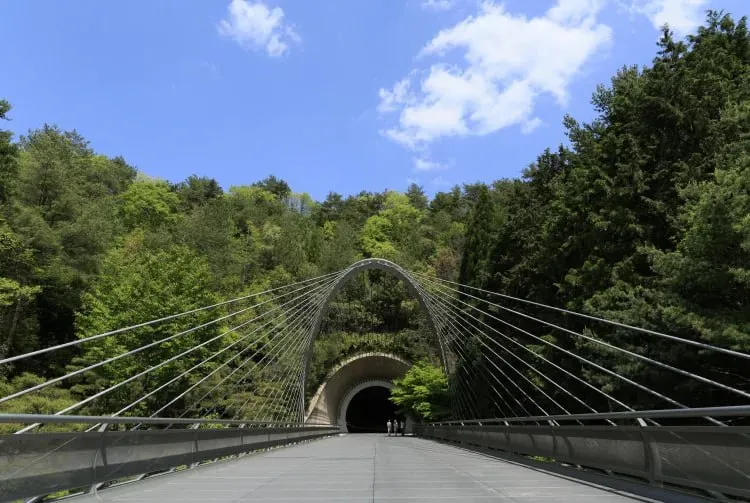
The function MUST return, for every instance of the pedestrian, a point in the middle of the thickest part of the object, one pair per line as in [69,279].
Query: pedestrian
[403,427]
[395,427]
[389,426]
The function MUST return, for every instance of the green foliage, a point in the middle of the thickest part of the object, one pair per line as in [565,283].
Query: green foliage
[644,220]
[422,392]
[278,188]
[417,197]
[88,245]
[47,401]
[474,262]
[331,348]
[148,204]
[8,156]
[16,295]
[197,191]
[139,284]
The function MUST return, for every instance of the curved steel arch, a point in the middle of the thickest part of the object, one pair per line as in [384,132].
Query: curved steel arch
[351,271]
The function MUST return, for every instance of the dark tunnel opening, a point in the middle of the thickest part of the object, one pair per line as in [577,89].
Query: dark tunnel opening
[369,410]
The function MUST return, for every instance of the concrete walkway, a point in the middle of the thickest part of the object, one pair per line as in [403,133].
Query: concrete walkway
[361,468]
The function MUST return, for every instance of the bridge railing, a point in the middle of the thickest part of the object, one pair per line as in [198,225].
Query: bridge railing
[713,459]
[37,464]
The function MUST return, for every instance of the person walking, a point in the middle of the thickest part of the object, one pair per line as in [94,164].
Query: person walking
[389,426]
[402,425]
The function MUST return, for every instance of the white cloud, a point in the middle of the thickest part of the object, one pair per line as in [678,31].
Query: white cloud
[389,100]
[422,165]
[254,26]
[438,4]
[508,62]
[575,11]
[682,16]
[531,125]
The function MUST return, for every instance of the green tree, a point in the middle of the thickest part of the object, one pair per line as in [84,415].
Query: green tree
[423,393]
[393,233]
[275,186]
[338,249]
[138,284]
[8,156]
[63,211]
[417,197]
[16,294]
[197,191]
[149,204]
[479,239]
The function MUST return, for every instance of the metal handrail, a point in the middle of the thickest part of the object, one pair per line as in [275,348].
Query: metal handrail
[36,464]
[54,419]
[711,459]
[729,411]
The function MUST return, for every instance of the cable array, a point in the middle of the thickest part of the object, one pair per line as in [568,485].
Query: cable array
[245,359]
[244,363]
[508,362]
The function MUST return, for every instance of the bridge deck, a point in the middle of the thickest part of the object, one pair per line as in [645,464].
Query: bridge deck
[361,468]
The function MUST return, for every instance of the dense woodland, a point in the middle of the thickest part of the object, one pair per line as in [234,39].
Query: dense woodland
[642,217]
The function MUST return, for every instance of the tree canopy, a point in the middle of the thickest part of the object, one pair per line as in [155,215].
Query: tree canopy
[642,218]
[423,393]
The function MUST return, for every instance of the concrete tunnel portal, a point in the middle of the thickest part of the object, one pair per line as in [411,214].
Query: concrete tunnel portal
[355,394]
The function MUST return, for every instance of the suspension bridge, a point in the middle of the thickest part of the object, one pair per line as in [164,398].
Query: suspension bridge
[546,404]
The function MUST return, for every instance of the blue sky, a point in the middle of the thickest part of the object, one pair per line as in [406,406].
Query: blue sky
[331,95]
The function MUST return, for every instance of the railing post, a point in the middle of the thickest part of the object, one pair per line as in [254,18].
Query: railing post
[242,440]
[102,451]
[553,432]
[651,454]
[194,460]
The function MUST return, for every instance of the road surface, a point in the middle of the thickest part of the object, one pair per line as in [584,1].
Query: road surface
[362,469]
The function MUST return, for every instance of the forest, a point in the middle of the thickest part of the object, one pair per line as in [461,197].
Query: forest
[641,216]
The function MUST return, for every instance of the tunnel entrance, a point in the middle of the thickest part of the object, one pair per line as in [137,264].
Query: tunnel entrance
[369,410]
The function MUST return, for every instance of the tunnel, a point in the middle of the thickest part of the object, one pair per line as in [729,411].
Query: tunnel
[369,410]
[365,371]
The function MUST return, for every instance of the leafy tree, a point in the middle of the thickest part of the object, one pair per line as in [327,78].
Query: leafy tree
[275,186]
[329,210]
[479,236]
[393,233]
[197,191]
[62,210]
[8,156]
[138,284]
[417,197]
[16,295]
[423,393]
[210,231]
[148,204]
[338,249]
